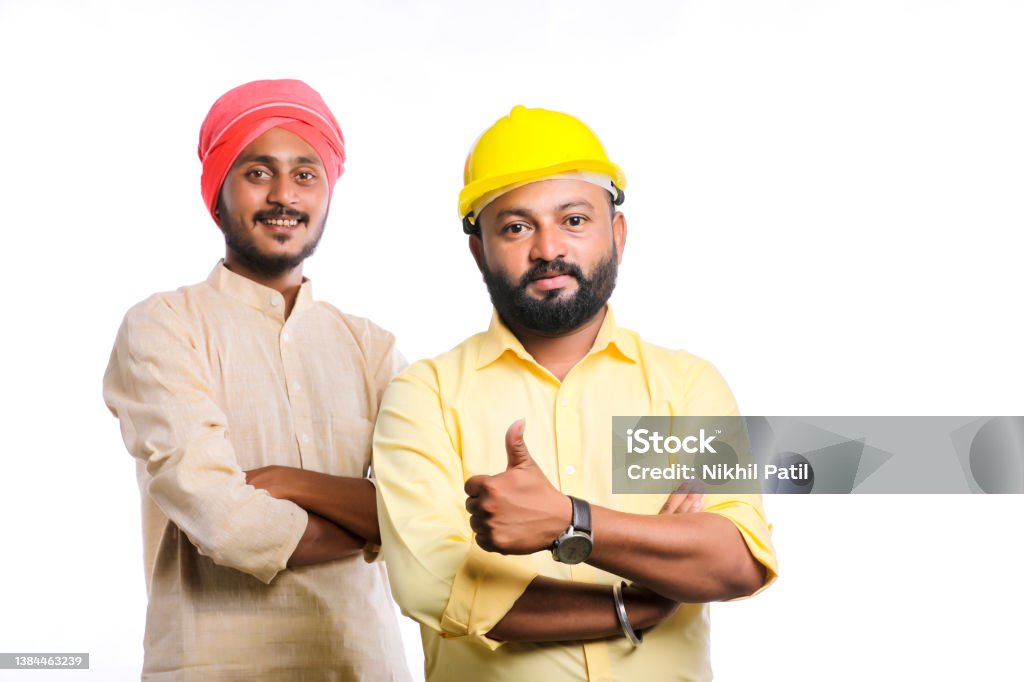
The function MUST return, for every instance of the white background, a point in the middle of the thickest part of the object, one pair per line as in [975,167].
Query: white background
[824,199]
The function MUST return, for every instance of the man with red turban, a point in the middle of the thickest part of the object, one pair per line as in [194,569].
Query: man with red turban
[249,407]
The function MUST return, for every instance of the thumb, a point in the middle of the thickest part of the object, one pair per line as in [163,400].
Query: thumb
[515,446]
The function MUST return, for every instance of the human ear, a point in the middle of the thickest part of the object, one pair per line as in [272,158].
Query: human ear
[476,247]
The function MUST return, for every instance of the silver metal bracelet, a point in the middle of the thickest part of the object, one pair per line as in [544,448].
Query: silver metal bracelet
[620,611]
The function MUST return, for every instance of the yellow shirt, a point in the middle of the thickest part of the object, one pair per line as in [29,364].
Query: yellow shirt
[444,420]
[210,381]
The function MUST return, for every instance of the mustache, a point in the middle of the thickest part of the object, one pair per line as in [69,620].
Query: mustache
[281,213]
[557,266]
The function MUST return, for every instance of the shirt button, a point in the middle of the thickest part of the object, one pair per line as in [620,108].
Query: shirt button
[570,470]
[305,438]
[285,337]
[275,301]
[296,385]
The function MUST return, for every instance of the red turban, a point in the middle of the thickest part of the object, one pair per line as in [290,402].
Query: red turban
[246,112]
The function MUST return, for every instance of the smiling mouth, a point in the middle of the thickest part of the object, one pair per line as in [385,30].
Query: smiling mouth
[280,222]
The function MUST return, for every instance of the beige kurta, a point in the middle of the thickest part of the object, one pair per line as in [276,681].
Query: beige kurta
[208,382]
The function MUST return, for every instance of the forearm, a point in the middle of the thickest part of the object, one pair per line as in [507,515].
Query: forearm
[350,503]
[553,610]
[685,557]
[324,541]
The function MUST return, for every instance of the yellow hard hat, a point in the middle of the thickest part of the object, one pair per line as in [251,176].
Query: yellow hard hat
[529,145]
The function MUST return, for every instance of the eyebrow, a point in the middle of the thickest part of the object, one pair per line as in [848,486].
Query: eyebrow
[575,203]
[519,211]
[273,160]
[509,212]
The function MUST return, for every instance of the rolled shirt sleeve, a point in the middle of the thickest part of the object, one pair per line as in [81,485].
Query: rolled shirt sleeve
[709,394]
[747,514]
[157,386]
[438,575]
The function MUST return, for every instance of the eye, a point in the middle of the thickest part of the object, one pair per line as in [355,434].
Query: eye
[305,176]
[576,220]
[257,173]
[514,228]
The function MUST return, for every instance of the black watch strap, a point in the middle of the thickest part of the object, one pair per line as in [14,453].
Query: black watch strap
[580,515]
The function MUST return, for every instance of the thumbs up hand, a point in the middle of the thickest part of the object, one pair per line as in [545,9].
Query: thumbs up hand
[517,511]
[515,447]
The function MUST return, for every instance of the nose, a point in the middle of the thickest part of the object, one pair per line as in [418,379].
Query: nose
[548,243]
[282,191]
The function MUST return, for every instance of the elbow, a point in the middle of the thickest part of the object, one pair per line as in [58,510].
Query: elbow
[263,568]
[258,552]
[747,578]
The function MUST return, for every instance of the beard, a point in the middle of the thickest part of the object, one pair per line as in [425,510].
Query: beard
[239,239]
[553,313]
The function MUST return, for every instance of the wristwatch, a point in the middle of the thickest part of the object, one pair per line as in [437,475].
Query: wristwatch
[577,542]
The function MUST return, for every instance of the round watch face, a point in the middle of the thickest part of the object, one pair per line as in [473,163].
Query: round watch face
[574,549]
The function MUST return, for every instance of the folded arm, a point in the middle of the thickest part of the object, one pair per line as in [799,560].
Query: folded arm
[553,610]
[684,557]
[350,503]
[324,541]
[157,385]
[687,558]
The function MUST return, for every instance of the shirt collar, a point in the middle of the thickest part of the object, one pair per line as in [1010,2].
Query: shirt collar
[498,339]
[256,295]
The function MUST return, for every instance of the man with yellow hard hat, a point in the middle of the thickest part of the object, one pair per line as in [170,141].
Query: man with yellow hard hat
[493,461]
